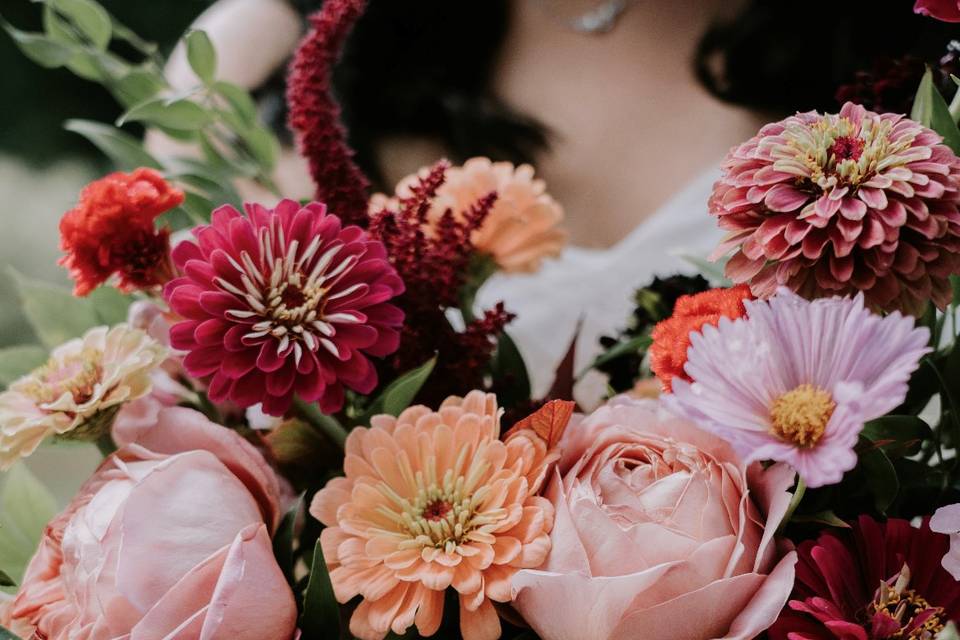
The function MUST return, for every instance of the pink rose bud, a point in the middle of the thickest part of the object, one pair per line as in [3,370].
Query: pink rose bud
[170,538]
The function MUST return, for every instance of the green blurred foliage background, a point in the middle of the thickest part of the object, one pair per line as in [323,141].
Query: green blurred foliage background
[42,166]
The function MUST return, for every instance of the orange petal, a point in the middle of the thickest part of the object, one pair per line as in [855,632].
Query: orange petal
[482,624]
[430,612]
[548,422]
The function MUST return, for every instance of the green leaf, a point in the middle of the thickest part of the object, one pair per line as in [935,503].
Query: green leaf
[26,506]
[6,581]
[201,55]
[124,150]
[6,634]
[110,305]
[509,373]
[881,476]
[283,542]
[98,66]
[712,271]
[89,18]
[197,207]
[122,32]
[20,360]
[39,48]
[182,115]
[263,146]
[321,613]
[931,110]
[897,435]
[239,100]
[137,86]
[54,313]
[626,347]
[826,518]
[400,393]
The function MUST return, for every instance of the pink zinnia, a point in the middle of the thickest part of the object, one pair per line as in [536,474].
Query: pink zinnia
[874,580]
[841,203]
[283,302]
[795,380]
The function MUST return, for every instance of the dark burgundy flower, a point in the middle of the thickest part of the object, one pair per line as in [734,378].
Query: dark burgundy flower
[283,302]
[435,268]
[314,114]
[875,581]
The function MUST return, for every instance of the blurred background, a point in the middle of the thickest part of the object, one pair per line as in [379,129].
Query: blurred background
[43,167]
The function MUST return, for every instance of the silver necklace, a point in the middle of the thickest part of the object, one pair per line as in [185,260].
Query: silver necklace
[599,19]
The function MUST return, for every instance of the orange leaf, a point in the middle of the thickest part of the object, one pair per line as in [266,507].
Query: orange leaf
[548,422]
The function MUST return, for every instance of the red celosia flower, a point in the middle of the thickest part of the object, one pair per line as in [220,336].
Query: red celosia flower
[671,337]
[111,232]
[315,116]
[434,268]
[839,203]
[877,580]
[283,302]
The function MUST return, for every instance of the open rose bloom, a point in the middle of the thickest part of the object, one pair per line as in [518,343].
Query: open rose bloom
[660,532]
[170,538]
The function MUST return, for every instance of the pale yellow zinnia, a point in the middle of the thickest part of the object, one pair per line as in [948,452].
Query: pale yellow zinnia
[79,389]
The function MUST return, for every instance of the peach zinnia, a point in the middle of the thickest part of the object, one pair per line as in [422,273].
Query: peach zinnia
[431,500]
[522,227]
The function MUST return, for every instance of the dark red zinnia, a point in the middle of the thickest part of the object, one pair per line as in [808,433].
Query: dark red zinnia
[112,231]
[877,580]
[283,302]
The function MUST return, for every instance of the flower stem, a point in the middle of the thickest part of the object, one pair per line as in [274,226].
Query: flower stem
[106,444]
[329,425]
[794,503]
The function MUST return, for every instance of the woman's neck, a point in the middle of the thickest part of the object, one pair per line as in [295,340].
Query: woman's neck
[630,123]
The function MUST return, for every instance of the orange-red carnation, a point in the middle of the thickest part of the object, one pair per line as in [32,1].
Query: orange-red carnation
[111,231]
[434,500]
[671,337]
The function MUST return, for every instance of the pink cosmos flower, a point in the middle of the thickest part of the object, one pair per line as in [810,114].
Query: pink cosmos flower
[170,538]
[661,531]
[947,520]
[840,203]
[283,302]
[795,380]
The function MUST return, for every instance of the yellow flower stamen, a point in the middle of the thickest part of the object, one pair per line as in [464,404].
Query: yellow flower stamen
[800,416]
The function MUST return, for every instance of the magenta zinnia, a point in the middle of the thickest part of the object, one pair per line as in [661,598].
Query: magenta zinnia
[875,580]
[283,302]
[840,203]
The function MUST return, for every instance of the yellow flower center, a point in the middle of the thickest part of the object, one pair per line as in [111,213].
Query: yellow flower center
[77,375]
[903,606]
[445,512]
[835,151]
[800,416]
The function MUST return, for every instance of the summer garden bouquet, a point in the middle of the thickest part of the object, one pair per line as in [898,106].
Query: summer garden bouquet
[310,431]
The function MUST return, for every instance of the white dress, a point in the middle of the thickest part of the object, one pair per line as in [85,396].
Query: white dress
[595,286]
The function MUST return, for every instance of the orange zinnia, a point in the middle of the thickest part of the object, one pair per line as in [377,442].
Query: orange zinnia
[431,500]
[671,337]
